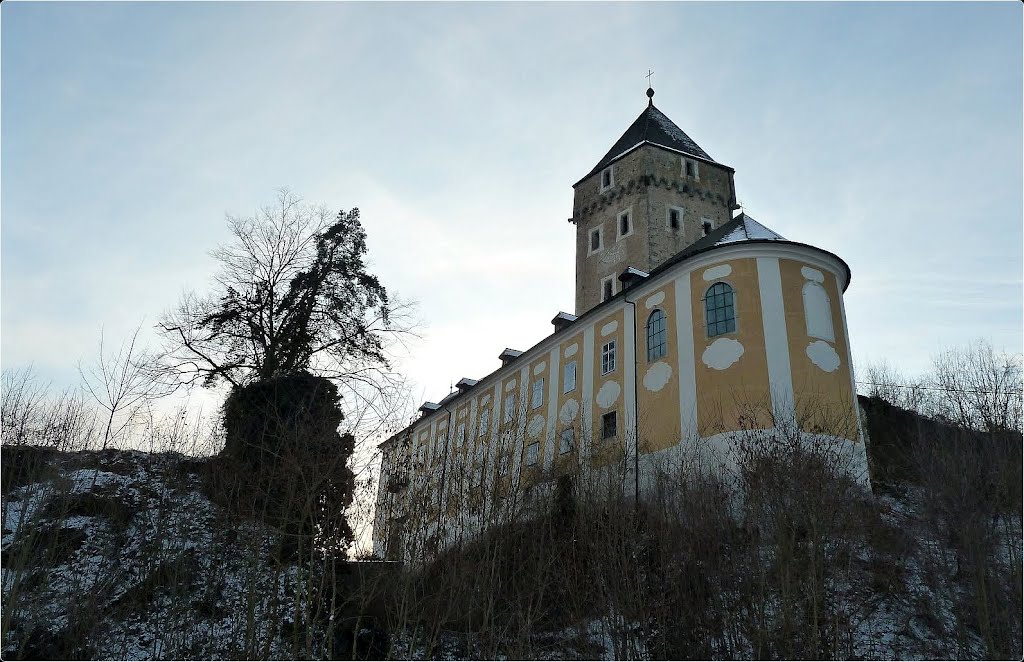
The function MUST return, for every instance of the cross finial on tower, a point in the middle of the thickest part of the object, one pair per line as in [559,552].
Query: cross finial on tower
[650,89]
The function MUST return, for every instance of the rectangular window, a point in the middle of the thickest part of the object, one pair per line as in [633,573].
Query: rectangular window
[607,288]
[537,397]
[460,436]
[706,224]
[532,453]
[566,441]
[607,179]
[625,224]
[485,422]
[503,464]
[609,425]
[510,406]
[569,377]
[608,357]
[673,219]
[595,240]
[690,169]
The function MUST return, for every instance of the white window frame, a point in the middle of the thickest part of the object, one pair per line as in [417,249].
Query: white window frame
[537,394]
[566,441]
[611,179]
[668,218]
[599,230]
[696,168]
[628,213]
[532,453]
[569,377]
[608,279]
[608,358]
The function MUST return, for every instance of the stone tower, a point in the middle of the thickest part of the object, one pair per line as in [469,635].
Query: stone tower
[653,194]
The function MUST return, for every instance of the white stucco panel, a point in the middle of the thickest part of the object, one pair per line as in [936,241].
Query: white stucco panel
[484,400]
[655,300]
[812,274]
[536,426]
[571,350]
[609,328]
[608,394]
[714,273]
[568,411]
[539,368]
[722,353]
[822,355]
[657,376]
[511,385]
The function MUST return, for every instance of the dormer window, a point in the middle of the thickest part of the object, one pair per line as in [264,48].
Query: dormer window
[624,222]
[607,179]
[690,169]
[596,241]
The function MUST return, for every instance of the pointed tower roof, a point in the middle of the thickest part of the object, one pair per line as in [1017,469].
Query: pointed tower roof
[652,127]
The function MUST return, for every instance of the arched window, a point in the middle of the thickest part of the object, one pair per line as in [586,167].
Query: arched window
[657,337]
[818,312]
[719,309]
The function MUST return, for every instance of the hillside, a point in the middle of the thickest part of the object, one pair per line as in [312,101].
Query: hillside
[123,555]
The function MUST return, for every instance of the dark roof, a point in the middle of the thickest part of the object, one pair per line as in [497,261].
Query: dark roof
[655,128]
[741,228]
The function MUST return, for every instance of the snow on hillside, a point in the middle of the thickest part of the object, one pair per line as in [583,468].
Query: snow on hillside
[118,555]
[121,555]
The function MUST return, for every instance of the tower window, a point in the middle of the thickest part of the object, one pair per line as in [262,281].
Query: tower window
[608,357]
[657,338]
[607,179]
[690,169]
[673,218]
[607,288]
[609,425]
[706,224]
[625,224]
[719,309]
[595,240]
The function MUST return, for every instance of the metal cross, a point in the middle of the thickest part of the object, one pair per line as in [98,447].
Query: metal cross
[649,74]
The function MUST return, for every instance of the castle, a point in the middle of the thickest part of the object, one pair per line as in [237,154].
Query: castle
[693,323]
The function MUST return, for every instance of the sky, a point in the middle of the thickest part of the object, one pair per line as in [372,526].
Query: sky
[888,133]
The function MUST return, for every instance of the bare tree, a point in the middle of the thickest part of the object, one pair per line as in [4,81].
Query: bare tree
[293,294]
[123,383]
[979,388]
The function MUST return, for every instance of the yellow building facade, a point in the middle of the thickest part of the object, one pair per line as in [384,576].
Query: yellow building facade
[694,324]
